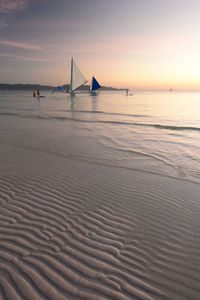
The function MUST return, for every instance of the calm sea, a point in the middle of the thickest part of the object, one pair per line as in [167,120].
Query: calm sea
[157,132]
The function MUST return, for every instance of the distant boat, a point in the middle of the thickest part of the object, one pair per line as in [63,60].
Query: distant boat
[77,78]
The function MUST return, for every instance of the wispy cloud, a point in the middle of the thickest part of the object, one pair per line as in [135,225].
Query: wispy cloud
[27,58]
[10,7]
[20,45]
[7,6]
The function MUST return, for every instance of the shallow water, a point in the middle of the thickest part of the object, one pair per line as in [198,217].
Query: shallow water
[76,222]
[155,132]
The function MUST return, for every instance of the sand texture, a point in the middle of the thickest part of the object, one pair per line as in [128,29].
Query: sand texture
[75,230]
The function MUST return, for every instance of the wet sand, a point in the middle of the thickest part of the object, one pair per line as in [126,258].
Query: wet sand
[78,230]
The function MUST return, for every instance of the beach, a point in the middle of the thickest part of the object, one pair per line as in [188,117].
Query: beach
[99,197]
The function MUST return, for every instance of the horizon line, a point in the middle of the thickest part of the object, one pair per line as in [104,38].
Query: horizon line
[113,87]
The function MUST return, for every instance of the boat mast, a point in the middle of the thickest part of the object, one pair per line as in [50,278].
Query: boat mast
[91,86]
[71,75]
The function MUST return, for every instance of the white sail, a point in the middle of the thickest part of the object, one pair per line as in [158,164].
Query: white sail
[77,78]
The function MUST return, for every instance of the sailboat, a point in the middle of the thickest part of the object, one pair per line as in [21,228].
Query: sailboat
[94,85]
[77,78]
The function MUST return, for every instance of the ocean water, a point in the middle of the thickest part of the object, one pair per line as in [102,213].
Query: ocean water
[156,132]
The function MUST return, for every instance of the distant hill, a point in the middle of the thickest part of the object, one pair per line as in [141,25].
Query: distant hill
[31,87]
[14,87]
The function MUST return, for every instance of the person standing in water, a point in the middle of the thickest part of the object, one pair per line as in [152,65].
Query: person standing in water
[126,92]
[34,94]
[38,93]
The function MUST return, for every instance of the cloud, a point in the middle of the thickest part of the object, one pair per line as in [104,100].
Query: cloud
[8,6]
[27,58]
[20,45]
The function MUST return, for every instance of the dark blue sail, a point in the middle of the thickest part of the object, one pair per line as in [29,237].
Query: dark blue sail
[95,84]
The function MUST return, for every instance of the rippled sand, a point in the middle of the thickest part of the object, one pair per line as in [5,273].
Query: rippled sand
[76,230]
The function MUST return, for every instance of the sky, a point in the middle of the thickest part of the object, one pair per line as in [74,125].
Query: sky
[137,44]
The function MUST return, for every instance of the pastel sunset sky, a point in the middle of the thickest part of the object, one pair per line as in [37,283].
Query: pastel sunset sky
[141,44]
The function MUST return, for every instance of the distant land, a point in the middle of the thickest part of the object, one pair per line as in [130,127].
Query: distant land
[14,87]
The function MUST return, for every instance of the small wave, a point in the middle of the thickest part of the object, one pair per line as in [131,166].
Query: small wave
[172,127]
[81,112]
[159,126]
[64,118]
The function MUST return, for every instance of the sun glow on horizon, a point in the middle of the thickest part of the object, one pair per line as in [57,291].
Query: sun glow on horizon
[159,50]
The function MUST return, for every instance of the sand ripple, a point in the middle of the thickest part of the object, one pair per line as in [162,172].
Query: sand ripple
[71,230]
